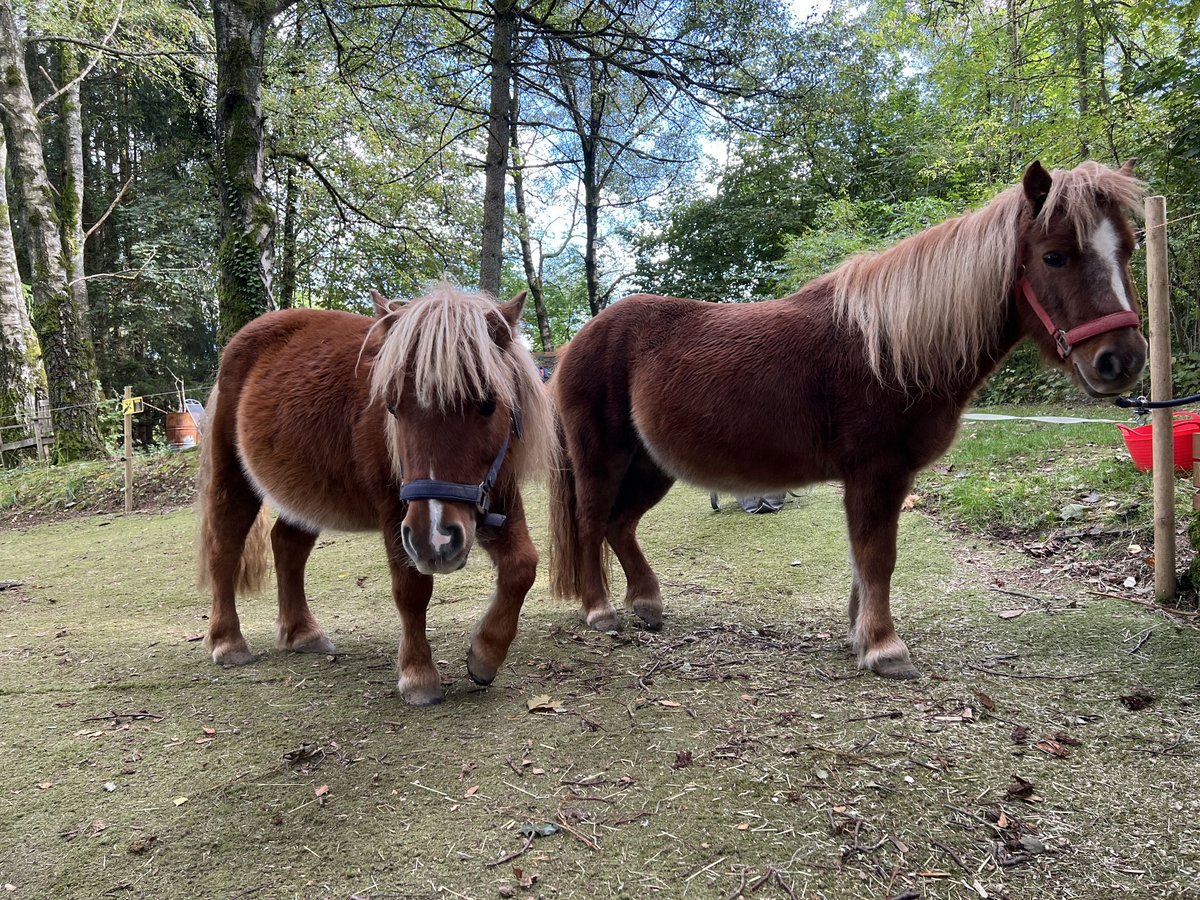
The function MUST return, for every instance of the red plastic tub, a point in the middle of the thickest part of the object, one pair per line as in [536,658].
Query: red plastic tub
[1140,441]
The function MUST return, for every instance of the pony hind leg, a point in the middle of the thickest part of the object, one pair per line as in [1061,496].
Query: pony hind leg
[233,536]
[516,562]
[644,486]
[295,629]
[873,501]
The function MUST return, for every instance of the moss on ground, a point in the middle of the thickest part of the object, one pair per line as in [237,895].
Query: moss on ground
[737,750]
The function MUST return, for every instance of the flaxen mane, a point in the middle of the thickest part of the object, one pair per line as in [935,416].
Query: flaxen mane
[928,305]
[443,343]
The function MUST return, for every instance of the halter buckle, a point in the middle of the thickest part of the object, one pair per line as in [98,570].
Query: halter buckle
[1064,346]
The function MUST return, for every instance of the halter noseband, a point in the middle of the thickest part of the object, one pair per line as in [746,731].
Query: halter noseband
[477,495]
[1065,341]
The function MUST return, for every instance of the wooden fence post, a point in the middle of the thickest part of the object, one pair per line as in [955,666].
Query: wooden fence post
[127,408]
[1158,301]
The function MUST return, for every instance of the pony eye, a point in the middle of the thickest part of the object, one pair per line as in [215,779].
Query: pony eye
[487,407]
[1054,260]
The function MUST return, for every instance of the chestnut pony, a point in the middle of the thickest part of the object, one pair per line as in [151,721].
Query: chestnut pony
[420,424]
[860,377]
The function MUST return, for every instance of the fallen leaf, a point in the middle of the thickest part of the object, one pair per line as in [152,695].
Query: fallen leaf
[1002,822]
[45,785]
[673,704]
[141,845]
[1019,734]
[537,770]
[911,501]
[210,731]
[1138,698]
[545,703]
[1052,747]
[984,700]
[1019,788]
[322,790]
[472,791]
[1012,613]
[743,826]
[538,829]
[179,801]
[683,759]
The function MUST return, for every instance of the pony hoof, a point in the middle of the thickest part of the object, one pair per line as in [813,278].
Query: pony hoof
[233,654]
[604,620]
[896,669]
[480,674]
[314,643]
[421,691]
[650,612]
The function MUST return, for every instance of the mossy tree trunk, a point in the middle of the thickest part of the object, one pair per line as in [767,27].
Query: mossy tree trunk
[246,257]
[18,362]
[66,350]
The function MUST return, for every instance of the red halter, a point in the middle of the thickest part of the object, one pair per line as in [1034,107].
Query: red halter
[1065,341]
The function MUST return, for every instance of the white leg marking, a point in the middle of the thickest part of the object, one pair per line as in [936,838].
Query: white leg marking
[1104,245]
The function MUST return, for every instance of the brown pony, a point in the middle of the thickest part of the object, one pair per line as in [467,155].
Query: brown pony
[861,377]
[324,415]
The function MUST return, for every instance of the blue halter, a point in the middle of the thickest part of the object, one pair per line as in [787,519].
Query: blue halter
[477,495]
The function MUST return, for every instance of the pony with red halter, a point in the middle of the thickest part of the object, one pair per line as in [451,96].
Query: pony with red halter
[421,424]
[860,377]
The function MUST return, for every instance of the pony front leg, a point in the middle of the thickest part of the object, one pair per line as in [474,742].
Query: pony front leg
[516,562]
[873,501]
[419,683]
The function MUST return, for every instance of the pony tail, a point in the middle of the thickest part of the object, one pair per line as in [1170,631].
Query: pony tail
[254,568]
[253,565]
[566,578]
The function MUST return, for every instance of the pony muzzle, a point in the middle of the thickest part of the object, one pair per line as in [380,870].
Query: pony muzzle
[437,537]
[1113,366]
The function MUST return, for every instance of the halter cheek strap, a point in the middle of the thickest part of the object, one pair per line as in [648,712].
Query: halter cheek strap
[1065,341]
[477,495]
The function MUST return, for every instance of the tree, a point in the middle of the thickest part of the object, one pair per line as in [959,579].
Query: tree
[246,257]
[67,351]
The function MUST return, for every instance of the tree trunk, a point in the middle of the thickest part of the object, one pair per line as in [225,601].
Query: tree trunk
[496,157]
[67,352]
[71,201]
[17,362]
[246,256]
[287,263]
[1082,72]
[532,276]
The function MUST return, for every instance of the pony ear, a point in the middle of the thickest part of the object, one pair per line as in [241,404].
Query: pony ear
[1127,168]
[383,306]
[1036,182]
[503,327]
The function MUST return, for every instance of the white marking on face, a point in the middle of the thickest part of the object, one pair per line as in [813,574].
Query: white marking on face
[1105,244]
[437,540]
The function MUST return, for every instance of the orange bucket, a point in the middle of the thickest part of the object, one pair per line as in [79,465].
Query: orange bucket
[1140,441]
[182,431]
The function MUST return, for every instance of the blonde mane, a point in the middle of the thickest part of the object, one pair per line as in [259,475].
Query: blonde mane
[930,305]
[443,343]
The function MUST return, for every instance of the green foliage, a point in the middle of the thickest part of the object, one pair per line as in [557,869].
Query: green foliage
[1030,478]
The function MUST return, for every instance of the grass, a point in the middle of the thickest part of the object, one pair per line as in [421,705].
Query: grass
[1023,478]
[737,751]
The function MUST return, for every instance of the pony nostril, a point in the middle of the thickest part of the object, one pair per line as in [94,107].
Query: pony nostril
[455,540]
[1108,366]
[406,536]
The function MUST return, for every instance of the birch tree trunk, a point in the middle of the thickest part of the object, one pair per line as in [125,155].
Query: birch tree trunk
[71,202]
[246,257]
[504,29]
[66,350]
[17,367]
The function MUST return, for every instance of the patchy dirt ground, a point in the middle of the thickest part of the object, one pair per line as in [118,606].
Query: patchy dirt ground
[1050,751]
